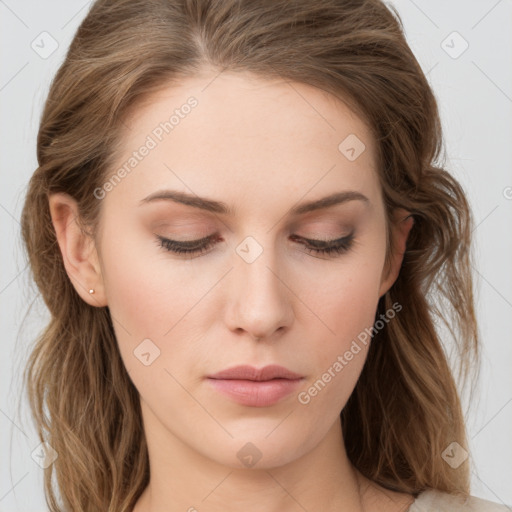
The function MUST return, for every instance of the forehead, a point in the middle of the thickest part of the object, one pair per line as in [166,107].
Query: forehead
[237,135]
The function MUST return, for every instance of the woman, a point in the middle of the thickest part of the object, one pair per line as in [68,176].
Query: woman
[240,227]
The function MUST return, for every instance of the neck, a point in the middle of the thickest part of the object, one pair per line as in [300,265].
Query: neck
[184,480]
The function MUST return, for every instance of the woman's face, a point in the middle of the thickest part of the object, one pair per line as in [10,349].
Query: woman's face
[246,157]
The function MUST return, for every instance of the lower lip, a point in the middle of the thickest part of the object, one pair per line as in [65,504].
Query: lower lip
[256,393]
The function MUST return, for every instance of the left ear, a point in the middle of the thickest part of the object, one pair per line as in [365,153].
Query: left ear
[401,224]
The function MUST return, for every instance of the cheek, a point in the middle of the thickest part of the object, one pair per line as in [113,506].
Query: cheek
[346,298]
[145,297]
[153,297]
[134,291]
[344,302]
[348,312]
[146,289]
[347,306]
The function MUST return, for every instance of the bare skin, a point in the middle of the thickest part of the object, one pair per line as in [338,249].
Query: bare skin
[261,148]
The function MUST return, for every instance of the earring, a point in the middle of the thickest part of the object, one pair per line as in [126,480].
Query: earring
[91,291]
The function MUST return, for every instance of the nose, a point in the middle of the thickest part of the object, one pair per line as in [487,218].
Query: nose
[259,303]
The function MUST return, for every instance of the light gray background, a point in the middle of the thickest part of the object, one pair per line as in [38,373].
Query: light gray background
[474,92]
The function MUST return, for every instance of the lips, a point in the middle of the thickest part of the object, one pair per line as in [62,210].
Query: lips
[245,372]
[255,387]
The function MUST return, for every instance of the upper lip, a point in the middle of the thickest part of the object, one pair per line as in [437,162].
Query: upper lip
[245,372]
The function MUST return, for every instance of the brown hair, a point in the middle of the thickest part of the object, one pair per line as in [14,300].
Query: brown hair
[405,409]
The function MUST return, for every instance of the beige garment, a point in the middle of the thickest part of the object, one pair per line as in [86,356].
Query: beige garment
[436,501]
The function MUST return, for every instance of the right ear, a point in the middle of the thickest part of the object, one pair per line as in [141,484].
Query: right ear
[78,249]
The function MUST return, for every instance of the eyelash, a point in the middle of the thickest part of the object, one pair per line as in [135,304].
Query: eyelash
[332,248]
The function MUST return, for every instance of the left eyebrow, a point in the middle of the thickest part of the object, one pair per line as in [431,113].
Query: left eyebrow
[332,200]
[221,208]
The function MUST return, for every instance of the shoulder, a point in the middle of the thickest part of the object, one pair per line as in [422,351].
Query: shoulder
[432,500]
